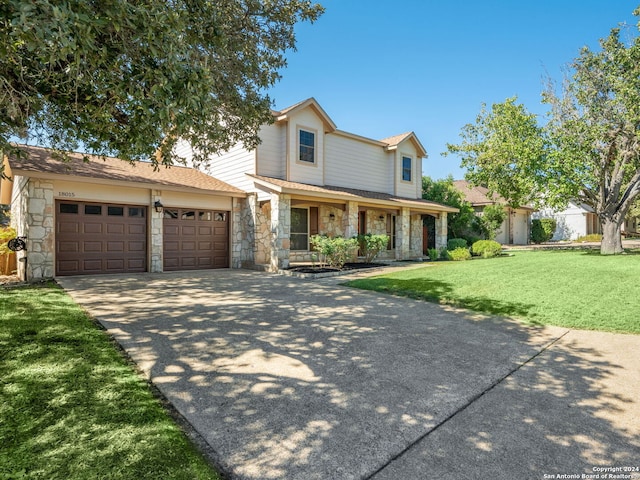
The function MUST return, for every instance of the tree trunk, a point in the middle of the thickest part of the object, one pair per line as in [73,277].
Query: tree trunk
[611,237]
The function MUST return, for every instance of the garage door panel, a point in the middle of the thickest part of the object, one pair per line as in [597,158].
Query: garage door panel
[195,241]
[92,228]
[92,247]
[68,227]
[94,238]
[71,247]
[115,229]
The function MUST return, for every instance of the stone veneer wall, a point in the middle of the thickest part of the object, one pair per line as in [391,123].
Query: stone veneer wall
[403,234]
[441,231]
[262,234]
[243,231]
[32,216]
[280,231]
[415,245]
[157,233]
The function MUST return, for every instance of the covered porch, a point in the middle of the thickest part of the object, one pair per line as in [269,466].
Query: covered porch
[287,214]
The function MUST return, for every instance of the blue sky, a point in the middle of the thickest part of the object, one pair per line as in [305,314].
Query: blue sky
[381,67]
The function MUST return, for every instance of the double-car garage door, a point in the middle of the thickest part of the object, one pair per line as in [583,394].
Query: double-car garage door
[97,238]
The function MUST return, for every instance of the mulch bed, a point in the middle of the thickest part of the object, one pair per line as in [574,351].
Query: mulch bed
[346,267]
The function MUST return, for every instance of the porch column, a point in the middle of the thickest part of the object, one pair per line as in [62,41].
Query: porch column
[416,236]
[157,234]
[280,231]
[39,231]
[350,220]
[243,219]
[441,231]
[403,234]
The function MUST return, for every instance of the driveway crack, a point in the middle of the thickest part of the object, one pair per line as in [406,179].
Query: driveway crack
[471,401]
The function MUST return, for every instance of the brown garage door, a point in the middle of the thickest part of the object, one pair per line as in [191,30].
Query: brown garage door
[195,239]
[96,238]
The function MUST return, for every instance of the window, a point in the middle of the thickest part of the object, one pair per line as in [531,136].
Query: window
[204,216]
[170,213]
[136,212]
[68,208]
[92,210]
[299,229]
[115,211]
[220,217]
[406,169]
[307,146]
[188,215]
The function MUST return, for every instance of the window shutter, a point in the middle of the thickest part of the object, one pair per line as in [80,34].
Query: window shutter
[313,221]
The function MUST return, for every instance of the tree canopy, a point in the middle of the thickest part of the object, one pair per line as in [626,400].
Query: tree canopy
[443,191]
[129,78]
[588,151]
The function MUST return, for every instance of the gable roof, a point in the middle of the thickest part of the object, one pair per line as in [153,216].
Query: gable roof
[396,140]
[286,113]
[479,196]
[39,162]
[350,194]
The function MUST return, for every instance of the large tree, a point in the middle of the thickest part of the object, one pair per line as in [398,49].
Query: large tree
[588,151]
[443,191]
[131,77]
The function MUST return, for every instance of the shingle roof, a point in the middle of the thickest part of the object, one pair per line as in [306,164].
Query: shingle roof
[353,194]
[39,160]
[479,196]
[396,139]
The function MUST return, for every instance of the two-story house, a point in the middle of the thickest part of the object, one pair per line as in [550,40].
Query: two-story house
[308,177]
[103,215]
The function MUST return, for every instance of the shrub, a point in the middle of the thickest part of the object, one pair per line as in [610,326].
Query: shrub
[490,222]
[335,251]
[444,253]
[433,254]
[371,245]
[592,237]
[486,248]
[542,230]
[460,254]
[454,243]
[6,234]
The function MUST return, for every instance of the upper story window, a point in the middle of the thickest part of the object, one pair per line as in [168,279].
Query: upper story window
[406,169]
[307,142]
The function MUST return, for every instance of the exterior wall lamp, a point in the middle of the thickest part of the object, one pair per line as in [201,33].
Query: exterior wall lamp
[158,206]
[332,216]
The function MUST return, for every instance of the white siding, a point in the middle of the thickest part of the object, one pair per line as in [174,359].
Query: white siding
[300,171]
[183,151]
[356,164]
[520,229]
[571,223]
[271,151]
[231,167]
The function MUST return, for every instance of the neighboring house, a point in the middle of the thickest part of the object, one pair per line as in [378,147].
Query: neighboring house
[259,207]
[577,220]
[516,229]
[307,177]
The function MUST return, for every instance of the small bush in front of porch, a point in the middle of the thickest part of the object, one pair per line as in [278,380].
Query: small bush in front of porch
[371,245]
[454,243]
[460,254]
[334,251]
[486,248]
[433,254]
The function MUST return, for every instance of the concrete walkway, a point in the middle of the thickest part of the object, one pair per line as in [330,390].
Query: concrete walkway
[295,379]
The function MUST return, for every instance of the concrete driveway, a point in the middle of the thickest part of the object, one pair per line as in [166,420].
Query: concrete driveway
[287,378]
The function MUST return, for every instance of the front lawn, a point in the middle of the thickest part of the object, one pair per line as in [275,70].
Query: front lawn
[71,407]
[575,289]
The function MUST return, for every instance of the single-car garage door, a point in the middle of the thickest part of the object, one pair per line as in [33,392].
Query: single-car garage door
[195,239]
[94,238]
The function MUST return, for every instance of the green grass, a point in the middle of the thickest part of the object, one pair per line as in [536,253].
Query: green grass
[575,289]
[71,407]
